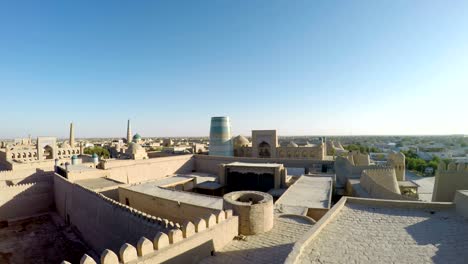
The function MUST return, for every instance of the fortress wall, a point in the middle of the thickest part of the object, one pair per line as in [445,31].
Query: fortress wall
[345,170]
[191,243]
[377,185]
[86,174]
[132,171]
[173,210]
[26,176]
[211,164]
[448,180]
[385,177]
[47,165]
[25,200]
[103,222]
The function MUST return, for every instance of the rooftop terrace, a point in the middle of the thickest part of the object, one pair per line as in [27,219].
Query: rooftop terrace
[390,232]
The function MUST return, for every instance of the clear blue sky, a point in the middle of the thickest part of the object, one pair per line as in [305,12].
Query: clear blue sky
[302,67]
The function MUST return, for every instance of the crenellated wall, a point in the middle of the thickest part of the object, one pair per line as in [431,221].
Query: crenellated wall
[448,180]
[191,243]
[24,200]
[103,222]
[132,171]
[345,170]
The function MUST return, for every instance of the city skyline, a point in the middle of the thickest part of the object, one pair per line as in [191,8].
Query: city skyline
[308,68]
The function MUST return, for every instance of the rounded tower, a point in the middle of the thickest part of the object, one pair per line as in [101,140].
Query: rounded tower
[220,137]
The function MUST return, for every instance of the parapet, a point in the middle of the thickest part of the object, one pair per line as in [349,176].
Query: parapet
[147,249]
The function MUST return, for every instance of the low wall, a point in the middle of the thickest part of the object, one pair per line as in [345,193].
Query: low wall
[25,200]
[43,164]
[173,210]
[448,180]
[103,222]
[26,176]
[132,171]
[210,164]
[190,244]
[86,174]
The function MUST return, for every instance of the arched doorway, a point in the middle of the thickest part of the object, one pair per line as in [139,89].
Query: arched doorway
[264,150]
[48,152]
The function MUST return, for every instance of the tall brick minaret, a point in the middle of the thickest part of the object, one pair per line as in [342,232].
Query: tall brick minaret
[129,132]
[72,136]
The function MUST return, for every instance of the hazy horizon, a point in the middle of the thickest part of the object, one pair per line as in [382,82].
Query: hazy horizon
[303,67]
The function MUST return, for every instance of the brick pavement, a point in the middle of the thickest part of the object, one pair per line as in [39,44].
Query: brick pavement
[366,234]
[270,247]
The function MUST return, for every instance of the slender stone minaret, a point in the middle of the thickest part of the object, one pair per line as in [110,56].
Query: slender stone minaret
[129,132]
[72,136]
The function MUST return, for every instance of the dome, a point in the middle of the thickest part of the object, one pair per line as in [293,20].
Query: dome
[95,155]
[133,148]
[292,144]
[240,141]
[137,137]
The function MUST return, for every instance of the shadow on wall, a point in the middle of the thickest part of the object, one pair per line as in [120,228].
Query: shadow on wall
[447,232]
[194,255]
[273,254]
[24,200]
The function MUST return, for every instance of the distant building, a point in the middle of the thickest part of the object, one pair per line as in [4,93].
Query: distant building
[220,137]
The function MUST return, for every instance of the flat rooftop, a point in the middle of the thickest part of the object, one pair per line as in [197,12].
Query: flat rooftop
[153,189]
[390,232]
[183,178]
[270,247]
[98,183]
[254,165]
[307,192]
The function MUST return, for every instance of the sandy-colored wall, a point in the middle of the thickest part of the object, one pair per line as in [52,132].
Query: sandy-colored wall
[316,213]
[44,165]
[190,244]
[448,180]
[345,170]
[383,177]
[210,164]
[25,176]
[25,200]
[133,171]
[102,222]
[461,202]
[373,186]
[170,209]
[87,174]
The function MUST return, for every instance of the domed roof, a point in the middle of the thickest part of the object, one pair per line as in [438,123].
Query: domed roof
[292,144]
[240,141]
[136,136]
[95,155]
[134,148]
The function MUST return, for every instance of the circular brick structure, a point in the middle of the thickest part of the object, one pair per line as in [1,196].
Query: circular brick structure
[255,211]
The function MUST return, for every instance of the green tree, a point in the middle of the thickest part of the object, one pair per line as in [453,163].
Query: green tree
[101,152]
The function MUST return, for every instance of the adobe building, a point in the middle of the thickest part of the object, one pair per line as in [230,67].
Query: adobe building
[265,145]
